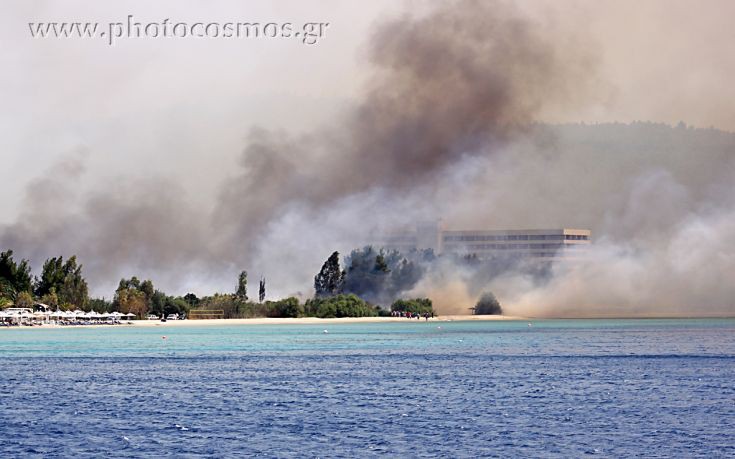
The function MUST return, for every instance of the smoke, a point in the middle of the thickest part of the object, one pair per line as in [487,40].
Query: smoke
[687,275]
[658,199]
[468,76]
[447,126]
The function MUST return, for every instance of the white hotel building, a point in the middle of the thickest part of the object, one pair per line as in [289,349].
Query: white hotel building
[543,244]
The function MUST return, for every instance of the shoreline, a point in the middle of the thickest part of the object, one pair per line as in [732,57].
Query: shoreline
[333,321]
[267,321]
[312,320]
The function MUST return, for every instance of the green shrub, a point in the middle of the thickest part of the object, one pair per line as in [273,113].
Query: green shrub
[414,306]
[287,307]
[488,305]
[345,305]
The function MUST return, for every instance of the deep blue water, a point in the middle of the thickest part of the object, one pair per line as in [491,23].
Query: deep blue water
[608,388]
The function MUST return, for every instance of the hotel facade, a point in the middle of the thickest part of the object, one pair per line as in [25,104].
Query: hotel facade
[541,244]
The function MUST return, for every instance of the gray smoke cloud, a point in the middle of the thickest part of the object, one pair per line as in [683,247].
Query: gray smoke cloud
[445,128]
[658,199]
[468,75]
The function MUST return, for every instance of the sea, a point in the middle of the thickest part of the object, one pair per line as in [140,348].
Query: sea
[461,389]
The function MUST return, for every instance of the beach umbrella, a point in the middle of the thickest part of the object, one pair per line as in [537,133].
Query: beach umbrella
[43,316]
[11,315]
[130,314]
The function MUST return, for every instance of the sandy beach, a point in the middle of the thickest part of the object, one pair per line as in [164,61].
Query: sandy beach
[306,321]
[268,321]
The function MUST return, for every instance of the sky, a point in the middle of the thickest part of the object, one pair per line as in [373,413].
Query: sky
[80,116]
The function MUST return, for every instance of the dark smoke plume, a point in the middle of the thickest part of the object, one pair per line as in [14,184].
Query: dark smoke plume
[468,76]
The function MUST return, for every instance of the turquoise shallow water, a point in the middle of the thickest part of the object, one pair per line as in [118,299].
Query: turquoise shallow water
[559,388]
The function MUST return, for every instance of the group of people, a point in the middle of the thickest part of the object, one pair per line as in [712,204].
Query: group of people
[412,315]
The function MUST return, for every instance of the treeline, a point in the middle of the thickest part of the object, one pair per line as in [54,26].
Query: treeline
[378,276]
[375,276]
[371,281]
[342,305]
[385,277]
[61,284]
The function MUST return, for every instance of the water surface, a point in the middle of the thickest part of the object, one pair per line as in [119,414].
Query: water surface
[558,388]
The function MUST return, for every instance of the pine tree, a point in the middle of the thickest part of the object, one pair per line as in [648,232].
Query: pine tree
[242,286]
[261,292]
[380,265]
[329,280]
[66,280]
[14,277]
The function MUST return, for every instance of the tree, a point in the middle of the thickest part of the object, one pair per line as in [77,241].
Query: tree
[488,305]
[288,307]
[24,300]
[380,265]
[136,297]
[330,279]
[231,305]
[191,299]
[340,306]
[130,300]
[7,291]
[52,276]
[14,277]
[157,303]
[176,305]
[133,282]
[367,275]
[99,305]
[65,279]
[5,302]
[261,290]
[74,289]
[147,288]
[51,299]
[380,277]
[242,286]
